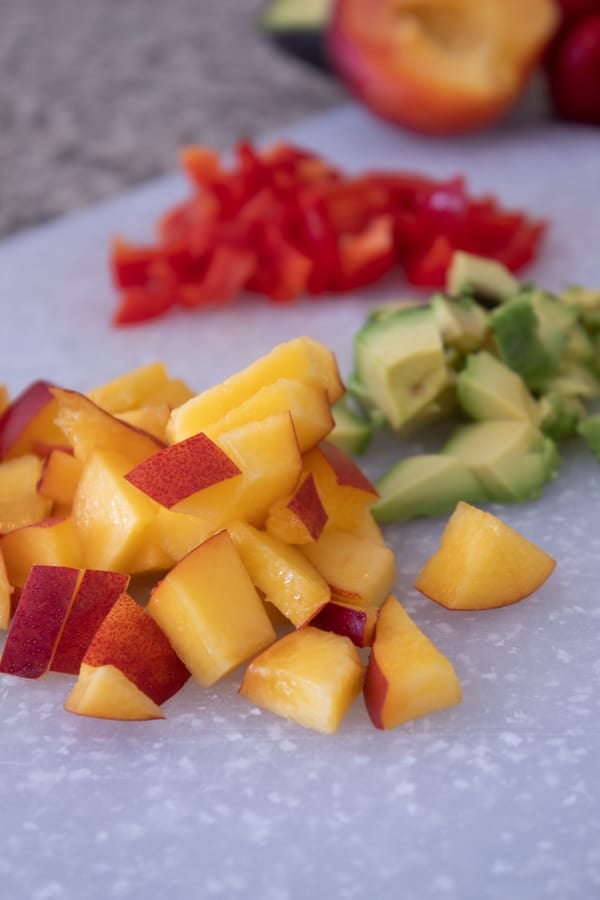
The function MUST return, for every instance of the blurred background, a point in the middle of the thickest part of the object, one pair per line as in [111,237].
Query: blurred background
[100,95]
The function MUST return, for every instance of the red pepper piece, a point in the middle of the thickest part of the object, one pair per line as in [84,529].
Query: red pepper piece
[429,268]
[130,263]
[227,273]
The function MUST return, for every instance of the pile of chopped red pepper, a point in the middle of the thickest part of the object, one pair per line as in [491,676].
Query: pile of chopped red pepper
[283,223]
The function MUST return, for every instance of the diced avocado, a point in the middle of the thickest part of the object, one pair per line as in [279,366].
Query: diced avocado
[589,429]
[555,320]
[512,459]
[488,389]
[575,380]
[298,27]
[352,433]
[486,279]
[368,407]
[462,322]
[516,329]
[560,415]
[580,346]
[386,309]
[425,485]
[399,361]
[586,303]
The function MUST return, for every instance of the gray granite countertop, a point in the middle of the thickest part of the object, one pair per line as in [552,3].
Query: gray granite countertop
[98,96]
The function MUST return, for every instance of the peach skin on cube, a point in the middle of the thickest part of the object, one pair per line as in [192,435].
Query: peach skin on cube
[104,692]
[358,571]
[88,428]
[131,389]
[51,542]
[96,594]
[350,621]
[281,572]
[482,563]
[301,358]
[343,487]
[300,517]
[309,676]
[27,419]
[182,470]
[59,476]
[130,640]
[210,610]
[407,675]
[308,406]
[268,457]
[38,620]
[113,519]
[4,398]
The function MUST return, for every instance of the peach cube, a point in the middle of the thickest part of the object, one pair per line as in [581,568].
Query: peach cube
[210,610]
[482,563]
[302,358]
[113,519]
[358,571]
[281,572]
[27,419]
[106,693]
[131,389]
[51,542]
[88,428]
[309,676]
[300,517]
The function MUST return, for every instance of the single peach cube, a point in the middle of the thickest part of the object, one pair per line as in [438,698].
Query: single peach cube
[309,676]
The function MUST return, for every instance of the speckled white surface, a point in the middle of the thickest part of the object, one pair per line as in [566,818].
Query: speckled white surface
[497,798]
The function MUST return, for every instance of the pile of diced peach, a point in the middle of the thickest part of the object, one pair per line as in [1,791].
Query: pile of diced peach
[256,534]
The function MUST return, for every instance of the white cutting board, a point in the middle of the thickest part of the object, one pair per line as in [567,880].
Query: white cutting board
[497,798]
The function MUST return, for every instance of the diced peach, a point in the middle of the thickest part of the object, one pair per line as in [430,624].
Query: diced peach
[350,621]
[38,620]
[178,533]
[173,392]
[6,591]
[182,470]
[96,594]
[27,419]
[151,419]
[365,526]
[50,542]
[308,406]
[343,487]
[482,563]
[4,399]
[112,517]
[210,610]
[59,476]
[281,572]
[131,389]
[20,503]
[89,428]
[130,640]
[268,457]
[298,518]
[407,675]
[358,571]
[309,676]
[302,358]
[106,693]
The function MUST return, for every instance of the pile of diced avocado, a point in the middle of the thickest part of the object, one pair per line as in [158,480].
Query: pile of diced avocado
[514,366]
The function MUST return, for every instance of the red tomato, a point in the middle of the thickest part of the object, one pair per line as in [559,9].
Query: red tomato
[574,71]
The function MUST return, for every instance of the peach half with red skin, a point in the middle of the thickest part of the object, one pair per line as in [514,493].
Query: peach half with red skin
[439,66]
